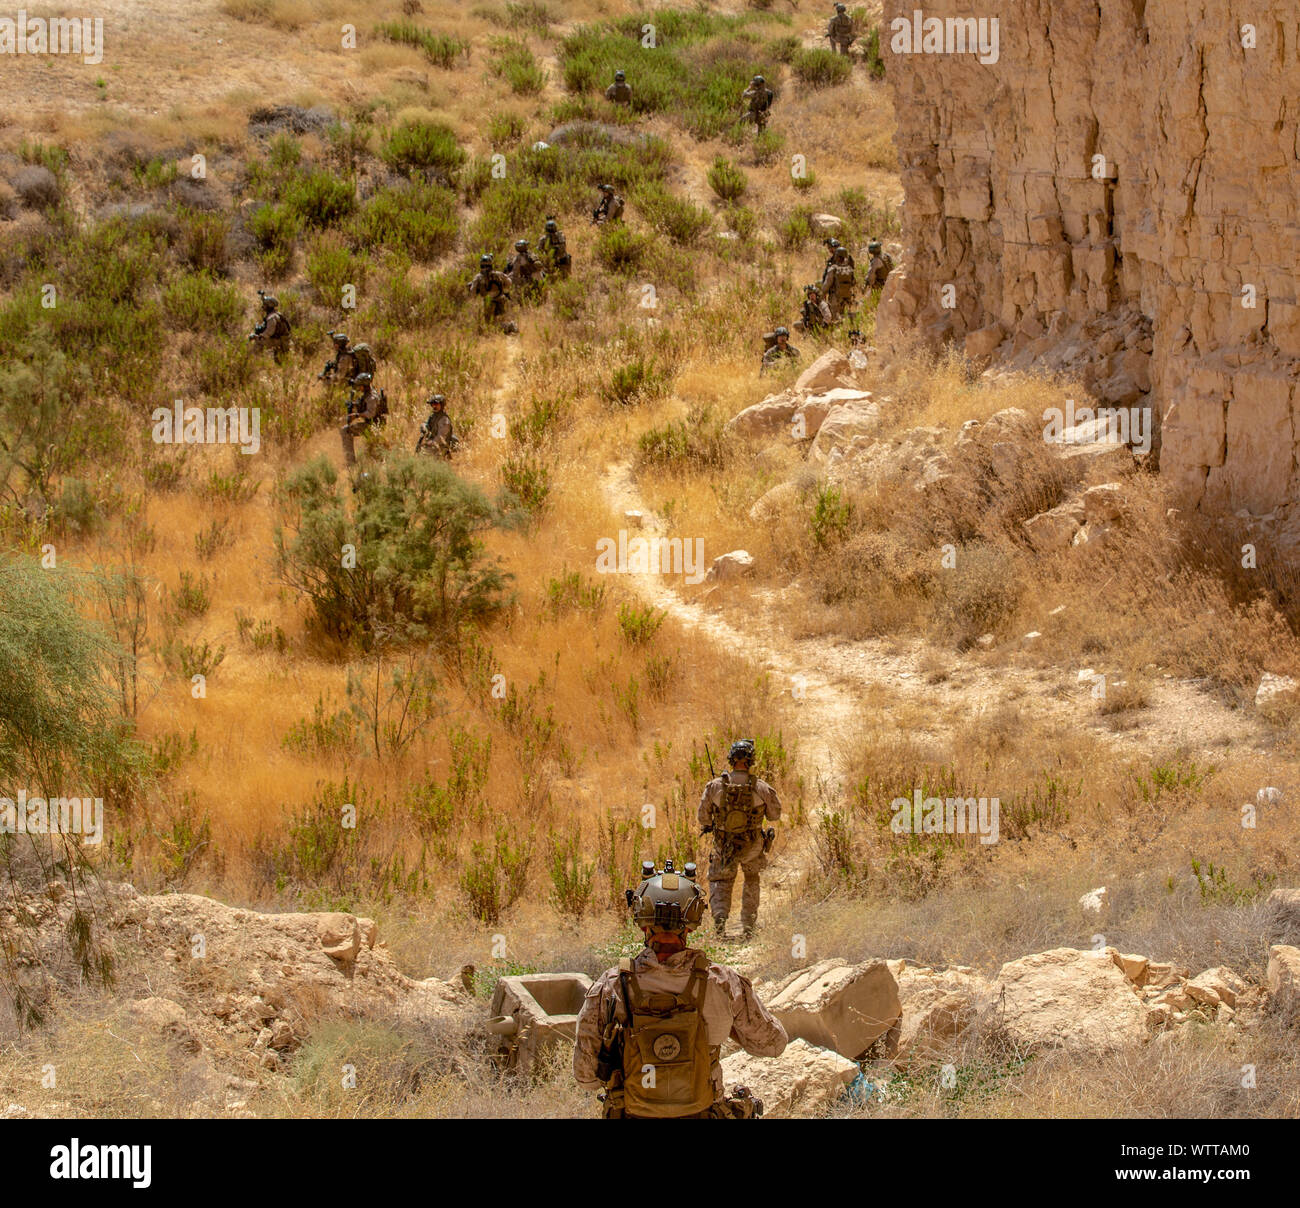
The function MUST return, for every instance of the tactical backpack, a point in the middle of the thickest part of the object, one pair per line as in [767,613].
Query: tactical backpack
[364,358]
[381,411]
[667,1060]
[741,812]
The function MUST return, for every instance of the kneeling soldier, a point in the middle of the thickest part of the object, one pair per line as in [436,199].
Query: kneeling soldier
[436,435]
[368,407]
[651,1030]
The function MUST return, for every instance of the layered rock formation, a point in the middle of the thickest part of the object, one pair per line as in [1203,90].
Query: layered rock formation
[1112,195]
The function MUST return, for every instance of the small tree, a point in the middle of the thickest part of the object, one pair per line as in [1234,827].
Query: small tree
[406,557]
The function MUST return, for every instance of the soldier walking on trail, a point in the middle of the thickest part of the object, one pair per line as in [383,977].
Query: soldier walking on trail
[833,245]
[610,208]
[651,1029]
[492,286]
[733,808]
[552,249]
[273,331]
[436,435]
[757,99]
[369,406]
[620,91]
[879,268]
[840,30]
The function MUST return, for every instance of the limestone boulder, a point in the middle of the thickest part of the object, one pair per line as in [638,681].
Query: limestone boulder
[1071,999]
[1284,983]
[803,1081]
[727,567]
[939,1008]
[836,1005]
[1055,529]
[845,421]
[828,371]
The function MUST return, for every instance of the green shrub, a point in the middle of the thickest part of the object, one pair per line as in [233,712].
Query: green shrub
[320,198]
[199,302]
[529,14]
[638,623]
[505,129]
[275,229]
[414,527]
[620,249]
[695,443]
[727,180]
[680,219]
[440,49]
[572,878]
[796,231]
[637,381]
[767,146]
[203,241]
[783,49]
[192,597]
[821,68]
[831,516]
[870,46]
[515,61]
[331,266]
[429,147]
[419,222]
[528,479]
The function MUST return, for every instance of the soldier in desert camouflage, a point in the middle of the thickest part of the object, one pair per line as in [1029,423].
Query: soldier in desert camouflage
[733,808]
[651,1030]
[620,91]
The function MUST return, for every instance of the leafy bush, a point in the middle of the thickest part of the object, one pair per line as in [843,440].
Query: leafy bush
[870,46]
[440,49]
[320,198]
[620,249]
[727,180]
[697,442]
[821,68]
[637,381]
[521,70]
[505,129]
[331,266]
[831,515]
[677,217]
[429,147]
[203,241]
[199,302]
[528,479]
[414,527]
[275,228]
[639,623]
[420,221]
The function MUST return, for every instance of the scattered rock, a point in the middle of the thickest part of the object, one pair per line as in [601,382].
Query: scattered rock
[1275,692]
[804,1077]
[275,119]
[1283,906]
[837,1005]
[824,225]
[1094,901]
[939,1007]
[1055,529]
[730,566]
[1222,982]
[828,371]
[1284,983]
[1067,998]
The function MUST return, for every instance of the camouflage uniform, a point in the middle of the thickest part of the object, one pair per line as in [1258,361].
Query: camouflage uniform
[838,283]
[840,31]
[493,286]
[362,412]
[273,333]
[758,103]
[435,435]
[553,251]
[742,847]
[619,92]
[730,1009]
[524,269]
[610,208]
[882,264]
[815,314]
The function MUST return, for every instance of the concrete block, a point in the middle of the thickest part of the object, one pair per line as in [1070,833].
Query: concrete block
[839,1006]
[532,1014]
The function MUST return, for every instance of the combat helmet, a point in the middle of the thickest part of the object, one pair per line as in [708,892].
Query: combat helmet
[340,338]
[606,188]
[743,748]
[521,245]
[667,900]
[874,245]
[270,302]
[437,400]
[551,224]
[619,77]
[758,80]
[485,260]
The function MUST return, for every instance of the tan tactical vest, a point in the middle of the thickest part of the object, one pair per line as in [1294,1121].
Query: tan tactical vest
[740,812]
[667,1060]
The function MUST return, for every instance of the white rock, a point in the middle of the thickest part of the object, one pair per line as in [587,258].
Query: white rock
[730,566]
[1094,900]
[1275,690]
[1268,796]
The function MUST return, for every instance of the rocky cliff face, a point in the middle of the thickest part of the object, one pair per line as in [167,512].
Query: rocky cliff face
[1120,193]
